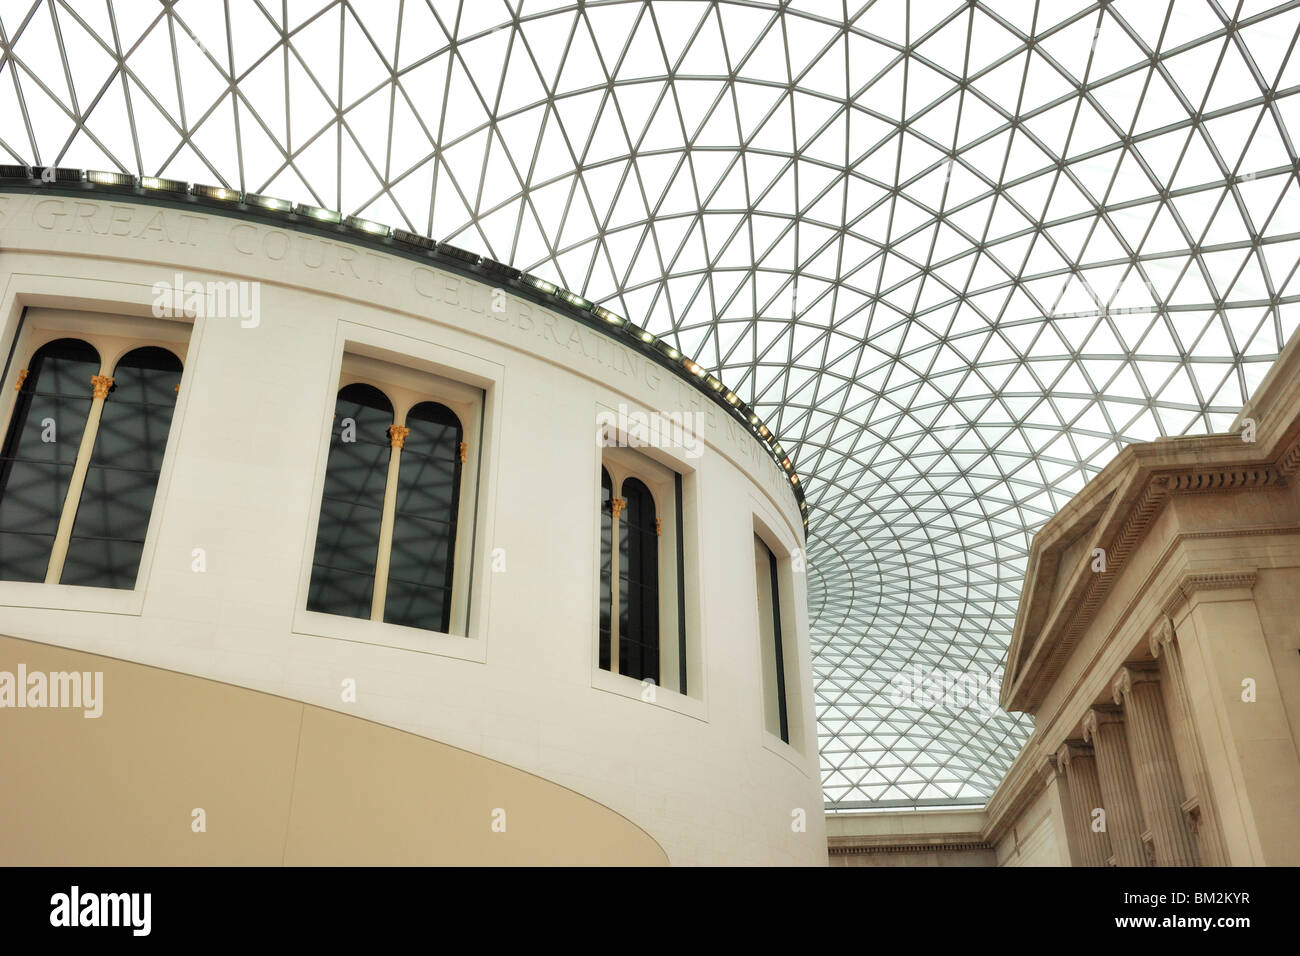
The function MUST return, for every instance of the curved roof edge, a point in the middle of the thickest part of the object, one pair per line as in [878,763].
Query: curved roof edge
[302,218]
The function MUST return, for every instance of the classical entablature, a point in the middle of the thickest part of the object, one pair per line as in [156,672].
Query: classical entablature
[1079,554]
[1155,647]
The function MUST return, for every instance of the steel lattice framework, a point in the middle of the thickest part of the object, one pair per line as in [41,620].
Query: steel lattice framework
[957,253]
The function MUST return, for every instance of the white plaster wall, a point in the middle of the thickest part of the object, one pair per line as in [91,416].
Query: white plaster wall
[242,480]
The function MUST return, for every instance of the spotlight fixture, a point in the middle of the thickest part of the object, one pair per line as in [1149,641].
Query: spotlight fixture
[269,202]
[574,299]
[414,239]
[613,318]
[500,269]
[157,184]
[455,252]
[101,178]
[319,214]
[541,285]
[215,193]
[15,172]
[366,226]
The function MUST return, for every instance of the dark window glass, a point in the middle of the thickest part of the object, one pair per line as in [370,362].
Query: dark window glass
[352,504]
[117,498]
[35,473]
[424,528]
[638,585]
[773,587]
[606,563]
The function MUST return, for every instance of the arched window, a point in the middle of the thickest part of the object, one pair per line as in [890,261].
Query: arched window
[638,585]
[122,477]
[40,454]
[424,526]
[606,563]
[386,541]
[352,504]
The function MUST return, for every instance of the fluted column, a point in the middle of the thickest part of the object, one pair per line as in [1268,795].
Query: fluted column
[1203,818]
[1155,767]
[1075,759]
[1104,729]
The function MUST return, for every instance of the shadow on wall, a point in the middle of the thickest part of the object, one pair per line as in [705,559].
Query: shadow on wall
[277,782]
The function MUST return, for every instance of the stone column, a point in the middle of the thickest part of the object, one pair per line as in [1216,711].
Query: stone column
[1075,759]
[100,386]
[1155,766]
[1202,815]
[1104,729]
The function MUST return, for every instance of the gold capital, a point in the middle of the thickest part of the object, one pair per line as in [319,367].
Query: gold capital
[397,434]
[659,527]
[464,451]
[101,384]
[22,377]
[616,505]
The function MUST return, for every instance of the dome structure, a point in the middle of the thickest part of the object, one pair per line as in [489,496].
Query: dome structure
[955,254]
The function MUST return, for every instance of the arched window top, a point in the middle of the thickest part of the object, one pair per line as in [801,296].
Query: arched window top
[367,396]
[67,354]
[640,502]
[150,357]
[436,413]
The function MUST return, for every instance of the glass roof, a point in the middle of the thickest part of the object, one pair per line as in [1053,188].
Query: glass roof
[957,253]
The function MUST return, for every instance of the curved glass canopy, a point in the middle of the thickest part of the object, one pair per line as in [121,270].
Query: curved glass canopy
[958,253]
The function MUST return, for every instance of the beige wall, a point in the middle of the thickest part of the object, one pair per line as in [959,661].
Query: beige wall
[1036,837]
[242,480]
[280,782]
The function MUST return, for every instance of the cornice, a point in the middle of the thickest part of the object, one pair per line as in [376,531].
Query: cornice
[913,843]
[75,183]
[1193,581]
[1138,498]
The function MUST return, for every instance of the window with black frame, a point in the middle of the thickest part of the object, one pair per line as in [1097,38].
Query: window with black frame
[386,538]
[638,584]
[641,626]
[771,640]
[81,462]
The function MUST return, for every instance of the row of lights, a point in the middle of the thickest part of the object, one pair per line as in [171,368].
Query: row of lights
[376,230]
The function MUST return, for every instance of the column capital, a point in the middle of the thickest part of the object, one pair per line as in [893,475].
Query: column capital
[1128,676]
[101,384]
[1163,633]
[397,434]
[1070,750]
[1048,769]
[1095,718]
[22,377]
[616,506]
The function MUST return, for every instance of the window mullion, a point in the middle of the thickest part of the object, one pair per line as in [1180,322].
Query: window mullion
[59,552]
[616,506]
[397,435]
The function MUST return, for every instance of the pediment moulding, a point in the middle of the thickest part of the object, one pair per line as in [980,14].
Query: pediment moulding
[1057,608]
